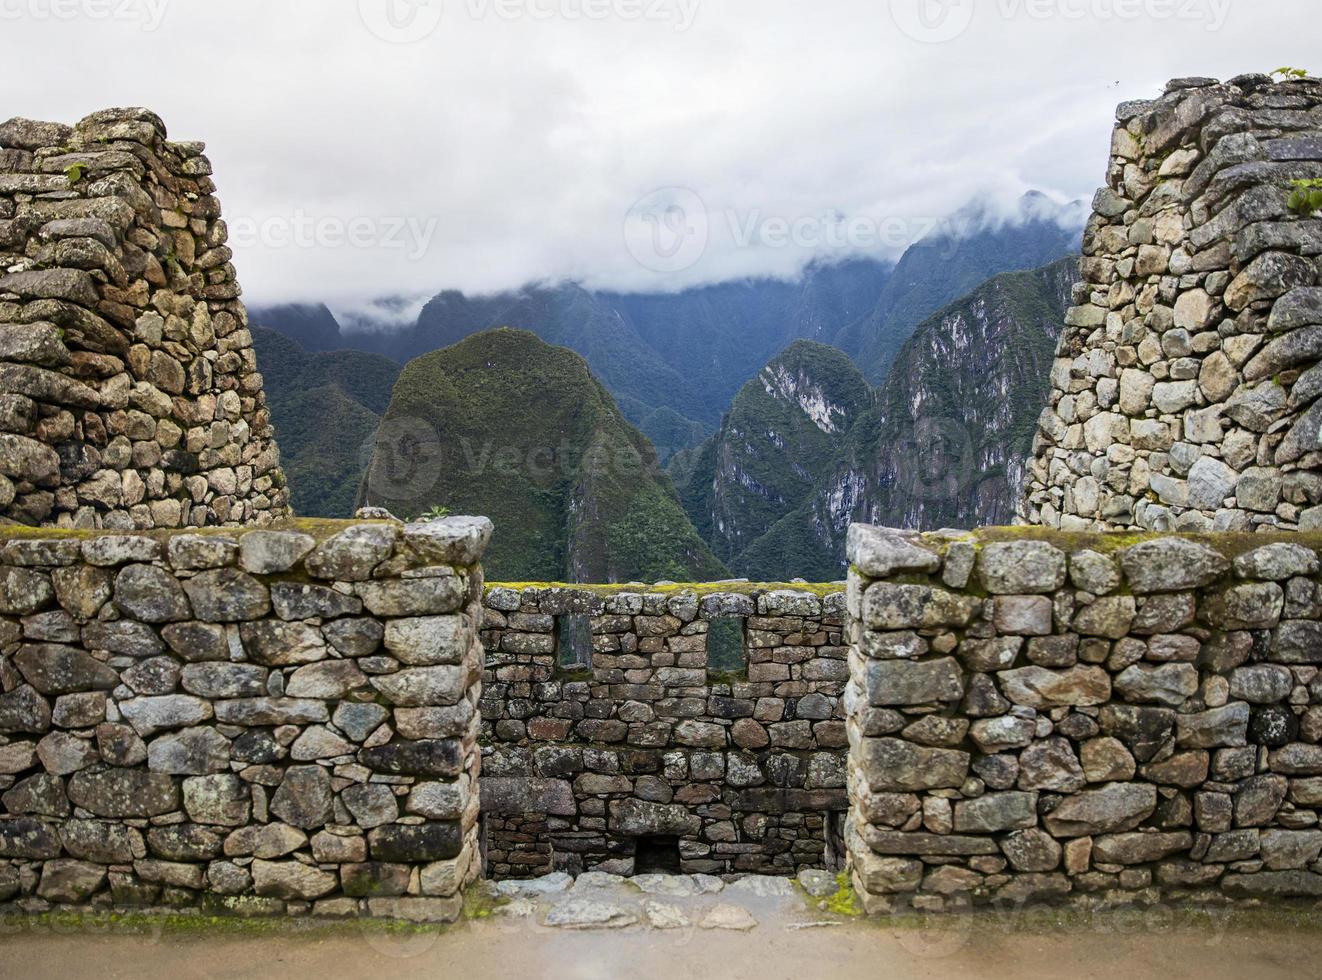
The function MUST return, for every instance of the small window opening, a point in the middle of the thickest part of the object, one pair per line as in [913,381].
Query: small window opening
[656,856]
[574,643]
[834,829]
[725,647]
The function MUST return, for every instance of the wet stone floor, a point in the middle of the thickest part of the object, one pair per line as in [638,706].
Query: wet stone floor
[603,927]
[595,900]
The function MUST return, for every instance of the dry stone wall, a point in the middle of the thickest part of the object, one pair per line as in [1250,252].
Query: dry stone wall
[263,721]
[1102,719]
[643,740]
[129,391]
[1185,392]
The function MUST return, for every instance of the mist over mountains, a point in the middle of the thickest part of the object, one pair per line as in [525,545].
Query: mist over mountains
[674,360]
[781,409]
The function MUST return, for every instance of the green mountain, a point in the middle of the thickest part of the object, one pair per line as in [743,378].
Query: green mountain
[310,325]
[567,315]
[941,443]
[763,464]
[675,360]
[508,426]
[326,407]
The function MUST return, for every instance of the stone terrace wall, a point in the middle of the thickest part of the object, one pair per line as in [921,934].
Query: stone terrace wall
[1186,385]
[746,769]
[129,392]
[254,721]
[1106,719]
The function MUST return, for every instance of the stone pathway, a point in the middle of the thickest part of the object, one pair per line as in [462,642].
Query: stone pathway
[596,900]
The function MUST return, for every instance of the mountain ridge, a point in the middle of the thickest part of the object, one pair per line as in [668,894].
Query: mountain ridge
[574,491]
[326,406]
[674,361]
[941,442]
[758,468]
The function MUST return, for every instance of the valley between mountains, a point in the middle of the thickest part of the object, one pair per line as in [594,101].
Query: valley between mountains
[731,430]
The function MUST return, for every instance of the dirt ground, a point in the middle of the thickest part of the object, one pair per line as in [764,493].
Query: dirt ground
[786,944]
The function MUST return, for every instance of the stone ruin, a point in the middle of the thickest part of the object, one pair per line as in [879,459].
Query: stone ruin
[1100,719]
[129,392]
[1185,391]
[341,718]
[256,720]
[697,730]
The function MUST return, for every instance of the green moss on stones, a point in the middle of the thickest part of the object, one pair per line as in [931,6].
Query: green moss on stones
[844,901]
[699,589]
[1231,544]
[480,903]
[319,528]
[186,925]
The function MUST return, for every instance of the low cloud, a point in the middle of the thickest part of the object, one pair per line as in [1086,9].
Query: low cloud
[480,146]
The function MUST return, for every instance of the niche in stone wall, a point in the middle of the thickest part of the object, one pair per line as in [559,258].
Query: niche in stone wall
[725,646]
[656,855]
[573,642]
[833,830]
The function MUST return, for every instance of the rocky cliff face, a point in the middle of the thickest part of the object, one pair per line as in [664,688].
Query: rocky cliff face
[964,251]
[763,464]
[507,426]
[946,443]
[940,444]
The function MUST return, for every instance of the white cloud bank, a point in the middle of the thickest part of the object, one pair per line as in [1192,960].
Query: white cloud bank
[396,147]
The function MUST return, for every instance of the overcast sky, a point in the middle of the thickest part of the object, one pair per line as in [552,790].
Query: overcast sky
[403,146]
